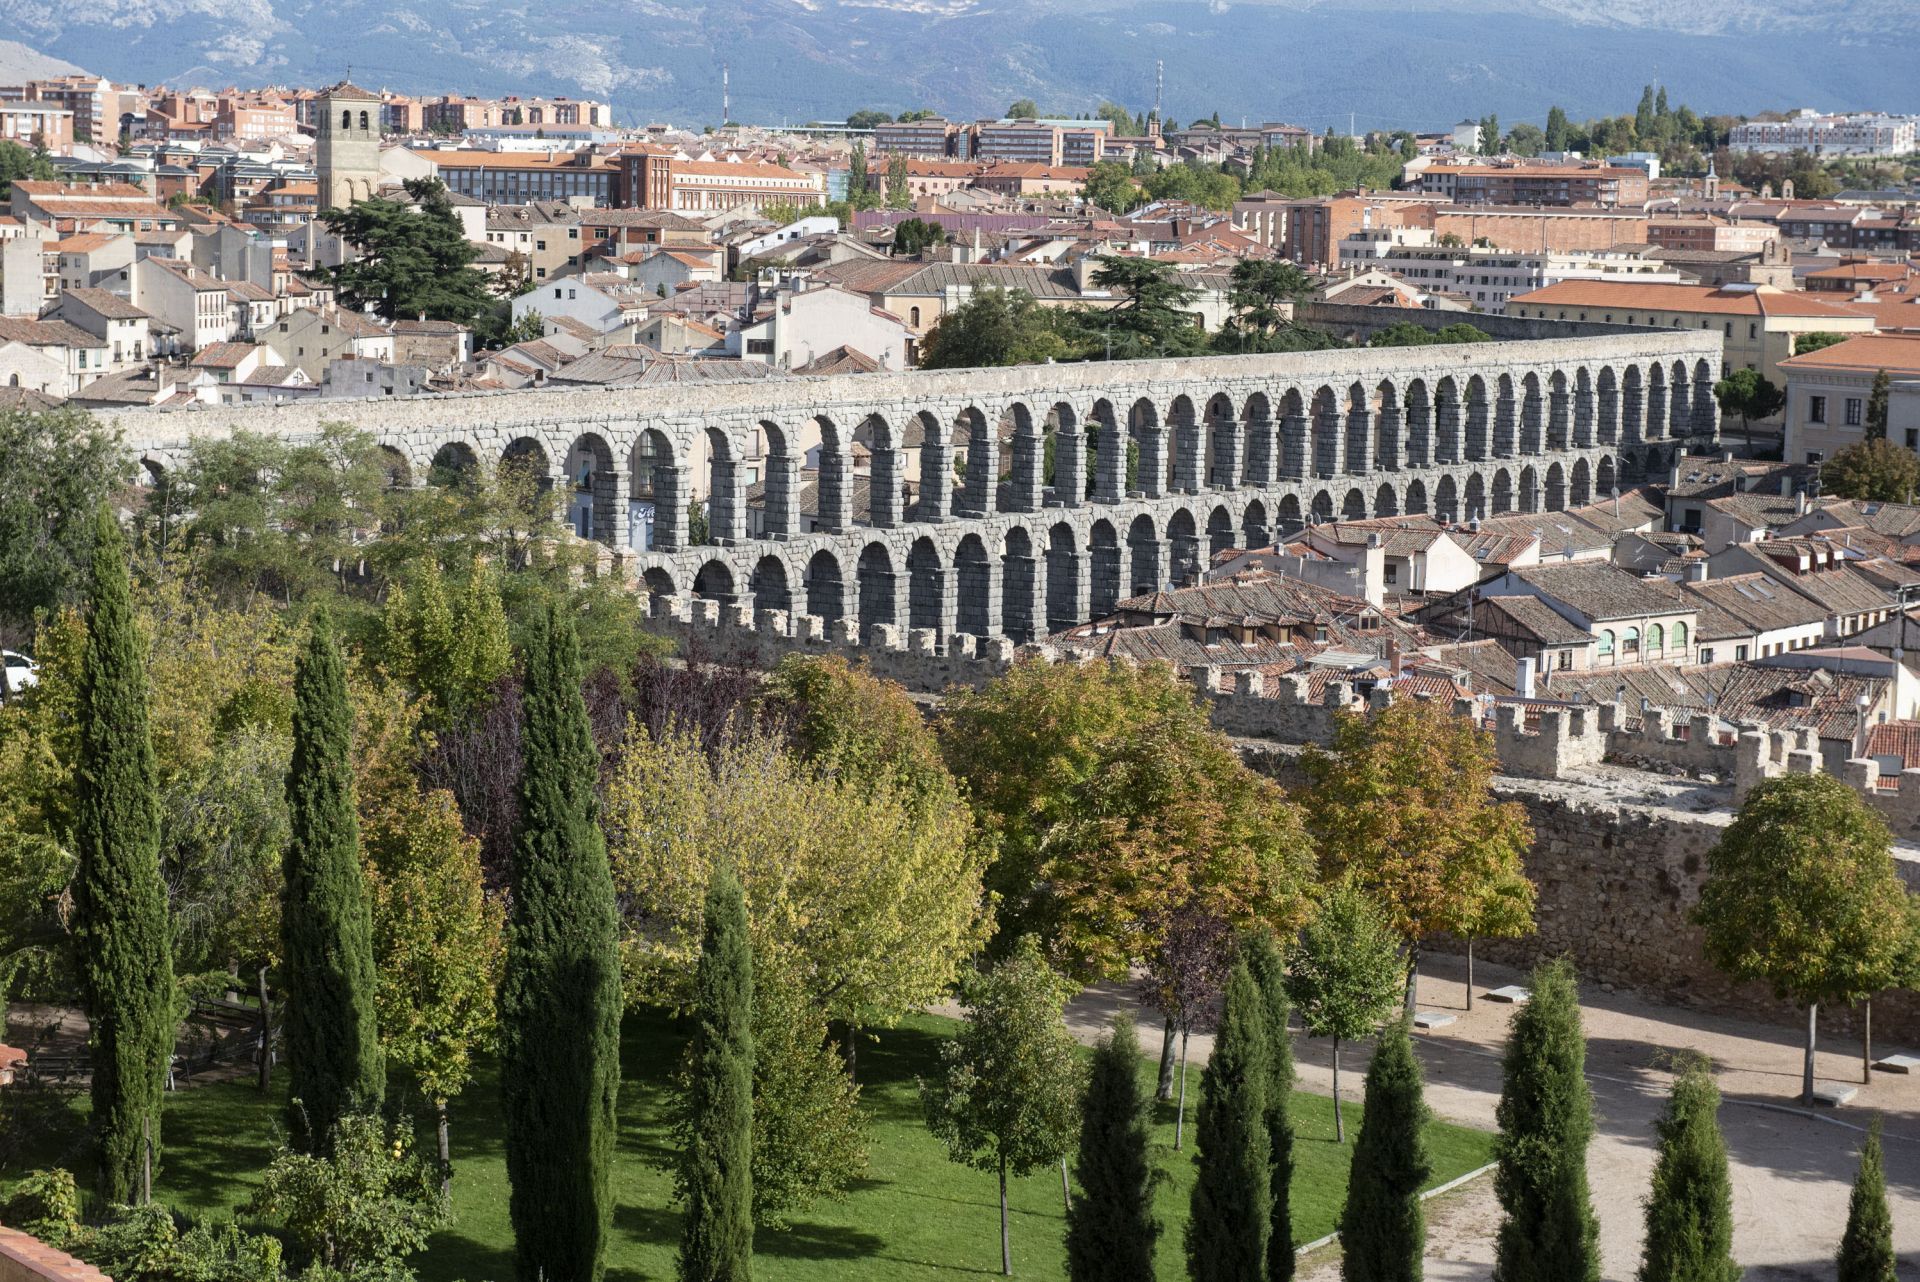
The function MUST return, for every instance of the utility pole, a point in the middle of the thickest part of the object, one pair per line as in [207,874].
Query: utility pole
[1159,84]
[726,105]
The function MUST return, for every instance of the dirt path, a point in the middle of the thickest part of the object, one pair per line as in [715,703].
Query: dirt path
[1792,1170]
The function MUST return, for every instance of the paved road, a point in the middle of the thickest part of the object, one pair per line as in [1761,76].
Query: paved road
[1791,1169]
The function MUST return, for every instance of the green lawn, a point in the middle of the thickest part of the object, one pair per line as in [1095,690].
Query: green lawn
[915,1215]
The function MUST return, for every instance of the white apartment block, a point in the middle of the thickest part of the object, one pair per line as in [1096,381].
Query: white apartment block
[1862,135]
[1489,277]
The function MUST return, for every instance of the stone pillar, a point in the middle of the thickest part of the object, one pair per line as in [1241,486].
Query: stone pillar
[727,505]
[884,490]
[1558,404]
[1680,422]
[1706,410]
[1608,426]
[983,472]
[1632,415]
[936,476]
[1504,442]
[1446,432]
[1189,459]
[1070,569]
[1185,564]
[1156,552]
[1257,466]
[1109,465]
[1326,443]
[669,508]
[1069,469]
[995,588]
[836,493]
[1293,447]
[1151,482]
[1391,445]
[934,595]
[1226,455]
[610,513]
[783,485]
[1359,441]
[1026,491]
[1474,446]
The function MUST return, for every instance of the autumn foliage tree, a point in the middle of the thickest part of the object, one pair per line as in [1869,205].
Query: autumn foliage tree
[1402,808]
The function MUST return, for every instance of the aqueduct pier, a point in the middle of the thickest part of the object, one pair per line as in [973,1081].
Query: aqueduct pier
[1224,451]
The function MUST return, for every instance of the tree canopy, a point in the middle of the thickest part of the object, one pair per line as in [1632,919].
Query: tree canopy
[414,259]
[1876,470]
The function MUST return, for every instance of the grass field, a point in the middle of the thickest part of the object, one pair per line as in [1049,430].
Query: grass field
[914,1215]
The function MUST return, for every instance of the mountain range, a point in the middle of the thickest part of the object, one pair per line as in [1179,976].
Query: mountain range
[1381,63]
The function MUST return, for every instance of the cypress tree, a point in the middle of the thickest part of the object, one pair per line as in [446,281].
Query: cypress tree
[1111,1229]
[1546,1121]
[1866,1251]
[560,993]
[1270,974]
[716,1241]
[1383,1231]
[1690,1207]
[121,932]
[1232,1198]
[334,1059]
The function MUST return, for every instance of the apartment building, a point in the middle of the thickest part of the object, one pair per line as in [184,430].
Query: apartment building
[654,177]
[36,124]
[92,103]
[1528,184]
[510,178]
[1715,235]
[1869,134]
[1828,391]
[932,139]
[1487,276]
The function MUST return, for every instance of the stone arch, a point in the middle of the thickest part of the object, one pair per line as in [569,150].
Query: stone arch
[1026,489]
[1416,498]
[1357,432]
[976,595]
[1419,424]
[1680,394]
[714,582]
[1254,530]
[1063,457]
[1585,413]
[929,587]
[1066,578]
[1446,499]
[1502,492]
[1533,413]
[659,584]
[1580,485]
[769,586]
[887,484]
[981,489]
[526,474]
[933,489]
[1633,407]
[826,588]
[1322,506]
[1149,439]
[1388,430]
[593,490]
[877,599]
[1556,486]
[1183,545]
[1473,497]
[1219,531]
[1186,452]
[1446,421]
[1107,478]
[1478,430]
[1103,566]
[1354,506]
[1706,409]
[1529,495]
[1146,559]
[1327,450]
[1223,443]
[1259,456]
[1605,477]
[1607,406]
[1505,432]
[392,461]
[1023,605]
[655,484]
[1294,456]
[1385,501]
[1658,405]
[1289,516]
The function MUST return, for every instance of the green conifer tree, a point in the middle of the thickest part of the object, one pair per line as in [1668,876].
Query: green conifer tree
[1232,1197]
[716,1240]
[1546,1121]
[560,994]
[1383,1231]
[1269,971]
[1690,1207]
[334,1060]
[1111,1229]
[1866,1250]
[121,932]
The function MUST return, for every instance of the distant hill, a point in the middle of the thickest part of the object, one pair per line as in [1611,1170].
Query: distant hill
[17,62]
[1417,63]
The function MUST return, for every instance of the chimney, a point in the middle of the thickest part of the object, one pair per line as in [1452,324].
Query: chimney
[1673,473]
[1695,571]
[1396,662]
[1800,503]
[1786,486]
[1523,677]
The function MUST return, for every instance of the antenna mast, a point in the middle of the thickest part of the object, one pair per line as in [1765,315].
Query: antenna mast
[726,105]
[1159,84]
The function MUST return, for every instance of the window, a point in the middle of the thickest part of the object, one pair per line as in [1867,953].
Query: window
[1853,408]
[1392,574]
[1606,643]
[1566,660]
[1706,655]
[1656,637]
[1729,329]
[1816,409]
[1630,641]
[346,120]
[1739,654]
[1753,329]
[1680,637]
[363,120]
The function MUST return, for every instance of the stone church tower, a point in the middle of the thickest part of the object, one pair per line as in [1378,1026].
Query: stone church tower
[346,149]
